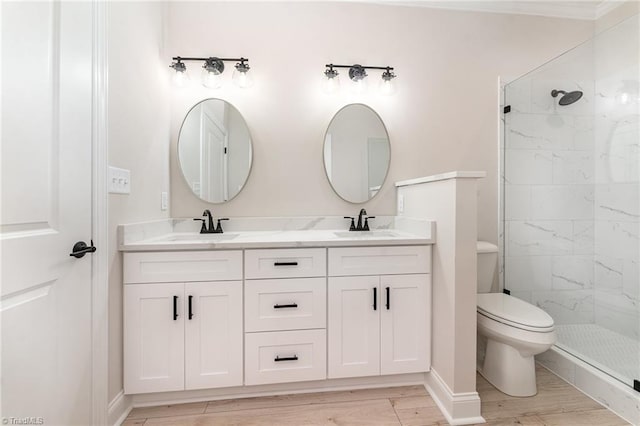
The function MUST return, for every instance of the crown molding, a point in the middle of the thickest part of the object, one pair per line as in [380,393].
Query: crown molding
[576,9]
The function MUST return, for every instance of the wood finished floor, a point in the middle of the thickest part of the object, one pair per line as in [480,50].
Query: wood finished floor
[557,403]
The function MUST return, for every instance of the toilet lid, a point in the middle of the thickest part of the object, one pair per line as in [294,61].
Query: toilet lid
[513,311]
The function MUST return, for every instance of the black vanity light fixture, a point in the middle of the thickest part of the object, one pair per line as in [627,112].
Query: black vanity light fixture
[357,75]
[212,70]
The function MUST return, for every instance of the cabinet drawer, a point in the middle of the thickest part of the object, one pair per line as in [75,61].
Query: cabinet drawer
[285,304]
[285,356]
[159,267]
[379,260]
[286,263]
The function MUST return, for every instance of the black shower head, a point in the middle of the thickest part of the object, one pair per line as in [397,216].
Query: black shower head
[567,98]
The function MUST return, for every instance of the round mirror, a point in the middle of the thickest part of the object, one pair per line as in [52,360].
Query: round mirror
[356,153]
[214,150]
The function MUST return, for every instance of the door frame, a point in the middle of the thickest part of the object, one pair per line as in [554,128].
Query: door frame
[99,219]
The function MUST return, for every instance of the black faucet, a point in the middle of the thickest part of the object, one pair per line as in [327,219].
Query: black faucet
[207,224]
[360,226]
[210,227]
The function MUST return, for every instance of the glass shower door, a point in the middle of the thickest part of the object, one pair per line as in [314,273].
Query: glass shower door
[571,198]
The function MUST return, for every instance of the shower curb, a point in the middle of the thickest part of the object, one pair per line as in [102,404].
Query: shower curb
[600,387]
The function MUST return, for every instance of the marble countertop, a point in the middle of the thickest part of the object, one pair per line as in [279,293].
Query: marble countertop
[178,234]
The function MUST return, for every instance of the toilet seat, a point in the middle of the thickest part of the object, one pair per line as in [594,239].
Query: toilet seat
[514,312]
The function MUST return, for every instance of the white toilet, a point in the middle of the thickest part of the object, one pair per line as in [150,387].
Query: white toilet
[514,329]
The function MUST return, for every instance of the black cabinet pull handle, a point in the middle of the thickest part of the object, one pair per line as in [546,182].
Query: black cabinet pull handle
[388,298]
[286,358]
[81,248]
[290,305]
[175,308]
[375,298]
[190,307]
[285,263]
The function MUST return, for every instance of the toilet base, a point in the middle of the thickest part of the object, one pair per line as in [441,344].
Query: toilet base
[510,372]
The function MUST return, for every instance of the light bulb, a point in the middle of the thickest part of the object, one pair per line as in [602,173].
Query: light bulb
[241,76]
[387,85]
[359,86]
[211,79]
[212,73]
[331,81]
[180,78]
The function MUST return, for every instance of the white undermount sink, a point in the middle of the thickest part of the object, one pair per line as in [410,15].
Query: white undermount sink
[365,234]
[199,237]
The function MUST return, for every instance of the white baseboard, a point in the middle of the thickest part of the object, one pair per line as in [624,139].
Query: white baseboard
[182,397]
[119,409]
[457,408]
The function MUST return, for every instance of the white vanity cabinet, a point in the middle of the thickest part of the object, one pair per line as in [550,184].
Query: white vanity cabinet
[182,335]
[204,319]
[285,315]
[379,324]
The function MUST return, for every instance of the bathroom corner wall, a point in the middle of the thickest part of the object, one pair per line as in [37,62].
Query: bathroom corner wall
[441,118]
[138,132]
[452,204]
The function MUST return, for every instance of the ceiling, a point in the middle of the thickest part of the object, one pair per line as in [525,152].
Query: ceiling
[586,9]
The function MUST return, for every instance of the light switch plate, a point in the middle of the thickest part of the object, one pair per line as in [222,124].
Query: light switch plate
[164,200]
[119,181]
[400,203]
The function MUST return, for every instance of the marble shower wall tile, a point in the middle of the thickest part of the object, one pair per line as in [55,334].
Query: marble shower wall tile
[617,202]
[528,273]
[631,280]
[562,202]
[573,167]
[617,239]
[540,131]
[618,313]
[533,167]
[539,238]
[608,273]
[572,272]
[567,306]
[583,236]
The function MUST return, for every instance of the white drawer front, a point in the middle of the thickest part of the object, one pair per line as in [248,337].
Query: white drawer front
[379,260]
[162,267]
[285,304]
[286,263]
[301,356]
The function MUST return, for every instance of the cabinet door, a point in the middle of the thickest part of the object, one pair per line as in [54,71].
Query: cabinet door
[405,323]
[354,326]
[213,334]
[153,338]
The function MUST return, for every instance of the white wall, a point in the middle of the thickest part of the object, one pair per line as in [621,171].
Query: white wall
[444,116]
[138,139]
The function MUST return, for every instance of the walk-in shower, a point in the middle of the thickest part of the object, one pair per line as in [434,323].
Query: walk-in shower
[571,199]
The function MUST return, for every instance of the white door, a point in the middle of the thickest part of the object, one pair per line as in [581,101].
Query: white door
[46,139]
[354,326]
[213,178]
[405,324]
[154,316]
[213,334]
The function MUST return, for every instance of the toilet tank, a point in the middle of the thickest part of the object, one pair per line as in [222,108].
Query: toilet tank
[487,265]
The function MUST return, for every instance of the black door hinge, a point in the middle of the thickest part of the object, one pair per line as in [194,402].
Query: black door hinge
[507,109]
[636,385]
[507,292]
